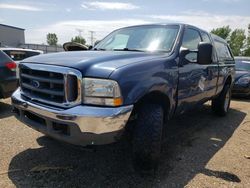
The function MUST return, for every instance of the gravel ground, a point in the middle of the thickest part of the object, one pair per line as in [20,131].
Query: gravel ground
[199,150]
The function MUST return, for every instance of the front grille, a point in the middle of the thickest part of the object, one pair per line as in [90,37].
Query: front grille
[54,85]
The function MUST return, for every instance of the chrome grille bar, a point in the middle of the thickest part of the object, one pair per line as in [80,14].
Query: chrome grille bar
[51,85]
[50,92]
[55,81]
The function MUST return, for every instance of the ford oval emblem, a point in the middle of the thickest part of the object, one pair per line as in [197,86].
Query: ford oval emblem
[35,83]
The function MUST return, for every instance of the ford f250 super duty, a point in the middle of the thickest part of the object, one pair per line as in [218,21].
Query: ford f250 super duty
[140,76]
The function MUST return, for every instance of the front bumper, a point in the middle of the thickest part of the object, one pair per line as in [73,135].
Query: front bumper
[241,90]
[80,125]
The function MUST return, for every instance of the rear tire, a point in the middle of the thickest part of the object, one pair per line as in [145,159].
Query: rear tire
[221,104]
[147,137]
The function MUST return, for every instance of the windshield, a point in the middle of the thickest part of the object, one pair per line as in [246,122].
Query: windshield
[141,38]
[242,65]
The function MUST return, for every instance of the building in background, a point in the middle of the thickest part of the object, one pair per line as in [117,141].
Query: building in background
[11,36]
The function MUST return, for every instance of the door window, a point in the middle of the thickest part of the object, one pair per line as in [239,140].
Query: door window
[205,37]
[191,40]
[223,51]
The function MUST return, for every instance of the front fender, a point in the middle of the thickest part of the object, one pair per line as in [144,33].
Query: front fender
[143,78]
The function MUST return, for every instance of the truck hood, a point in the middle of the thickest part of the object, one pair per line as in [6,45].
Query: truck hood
[94,63]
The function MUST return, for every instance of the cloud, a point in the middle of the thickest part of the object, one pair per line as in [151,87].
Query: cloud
[19,7]
[68,9]
[67,29]
[205,20]
[108,6]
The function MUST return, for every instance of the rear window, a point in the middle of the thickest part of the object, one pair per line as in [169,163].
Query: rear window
[20,55]
[223,51]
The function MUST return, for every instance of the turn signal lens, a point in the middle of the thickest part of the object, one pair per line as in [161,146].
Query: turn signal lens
[118,102]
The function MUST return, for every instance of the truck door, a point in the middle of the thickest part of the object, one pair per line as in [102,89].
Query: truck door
[212,70]
[197,82]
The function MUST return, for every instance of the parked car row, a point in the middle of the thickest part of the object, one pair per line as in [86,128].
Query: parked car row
[241,86]
[8,80]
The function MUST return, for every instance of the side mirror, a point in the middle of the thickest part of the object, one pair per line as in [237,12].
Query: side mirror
[184,52]
[205,51]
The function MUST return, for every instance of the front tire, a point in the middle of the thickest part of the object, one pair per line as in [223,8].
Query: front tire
[221,104]
[147,137]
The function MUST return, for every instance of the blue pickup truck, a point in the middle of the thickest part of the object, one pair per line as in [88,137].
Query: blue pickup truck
[136,78]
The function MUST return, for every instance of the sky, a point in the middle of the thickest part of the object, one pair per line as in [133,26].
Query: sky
[67,18]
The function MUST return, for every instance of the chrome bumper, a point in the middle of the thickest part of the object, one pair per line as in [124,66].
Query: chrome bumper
[89,119]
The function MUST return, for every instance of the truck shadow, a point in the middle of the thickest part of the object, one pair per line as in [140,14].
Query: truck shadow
[5,110]
[190,143]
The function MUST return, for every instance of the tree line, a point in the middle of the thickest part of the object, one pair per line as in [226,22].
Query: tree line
[52,39]
[237,39]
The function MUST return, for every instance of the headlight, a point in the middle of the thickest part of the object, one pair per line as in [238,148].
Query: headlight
[101,92]
[244,80]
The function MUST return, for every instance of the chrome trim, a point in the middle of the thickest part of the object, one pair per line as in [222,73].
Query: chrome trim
[89,119]
[61,70]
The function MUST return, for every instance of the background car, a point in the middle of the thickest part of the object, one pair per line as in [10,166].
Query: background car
[8,79]
[241,87]
[19,54]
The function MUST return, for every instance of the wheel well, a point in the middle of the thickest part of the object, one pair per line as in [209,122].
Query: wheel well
[229,81]
[155,97]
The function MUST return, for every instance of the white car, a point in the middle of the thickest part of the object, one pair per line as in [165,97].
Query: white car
[18,54]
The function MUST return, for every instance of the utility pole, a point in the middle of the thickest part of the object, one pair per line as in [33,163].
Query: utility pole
[92,37]
[79,31]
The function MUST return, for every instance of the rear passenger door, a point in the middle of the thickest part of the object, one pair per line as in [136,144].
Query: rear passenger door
[226,64]
[196,82]
[211,70]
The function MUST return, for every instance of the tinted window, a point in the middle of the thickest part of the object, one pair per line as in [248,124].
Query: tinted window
[31,53]
[20,55]
[191,40]
[205,37]
[223,51]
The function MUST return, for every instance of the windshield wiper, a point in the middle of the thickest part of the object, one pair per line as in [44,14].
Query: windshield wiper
[129,49]
[99,49]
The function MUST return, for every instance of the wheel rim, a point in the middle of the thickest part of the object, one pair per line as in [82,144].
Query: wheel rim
[227,100]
